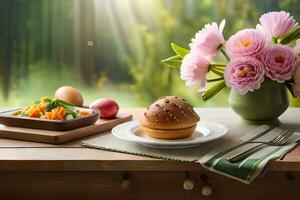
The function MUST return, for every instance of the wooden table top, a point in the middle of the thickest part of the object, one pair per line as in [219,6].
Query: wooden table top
[29,156]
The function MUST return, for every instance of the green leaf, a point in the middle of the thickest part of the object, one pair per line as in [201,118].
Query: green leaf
[174,61]
[214,79]
[59,103]
[176,57]
[290,88]
[51,106]
[69,107]
[217,71]
[290,32]
[63,103]
[291,36]
[180,51]
[217,65]
[213,90]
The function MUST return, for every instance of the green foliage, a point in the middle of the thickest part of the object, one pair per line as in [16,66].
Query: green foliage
[291,36]
[151,80]
[212,91]
[217,71]
[218,74]
[54,103]
[45,81]
[180,51]
[127,43]
[174,61]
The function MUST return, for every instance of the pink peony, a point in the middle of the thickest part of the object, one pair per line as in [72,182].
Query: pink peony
[244,74]
[280,63]
[208,40]
[193,69]
[247,42]
[275,24]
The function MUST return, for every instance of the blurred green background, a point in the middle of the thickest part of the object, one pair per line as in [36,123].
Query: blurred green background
[110,48]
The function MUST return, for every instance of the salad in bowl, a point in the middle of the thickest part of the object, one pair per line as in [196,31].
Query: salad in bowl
[52,109]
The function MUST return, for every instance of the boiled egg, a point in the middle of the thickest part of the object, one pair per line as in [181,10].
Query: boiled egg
[70,95]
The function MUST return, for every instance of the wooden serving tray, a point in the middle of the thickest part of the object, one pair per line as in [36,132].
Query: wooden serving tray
[7,118]
[59,137]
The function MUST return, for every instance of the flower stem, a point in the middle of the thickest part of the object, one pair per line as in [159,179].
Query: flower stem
[215,79]
[215,89]
[275,40]
[217,71]
[225,54]
[217,65]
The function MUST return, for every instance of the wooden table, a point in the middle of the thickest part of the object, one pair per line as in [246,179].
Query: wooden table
[42,171]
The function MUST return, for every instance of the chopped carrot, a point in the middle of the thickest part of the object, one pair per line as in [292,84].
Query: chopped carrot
[56,113]
[42,106]
[59,113]
[47,115]
[84,112]
[17,113]
[34,111]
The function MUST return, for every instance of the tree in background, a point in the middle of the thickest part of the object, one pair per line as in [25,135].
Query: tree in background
[178,21]
[48,43]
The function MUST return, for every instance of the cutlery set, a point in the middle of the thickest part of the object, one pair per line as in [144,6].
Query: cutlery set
[279,140]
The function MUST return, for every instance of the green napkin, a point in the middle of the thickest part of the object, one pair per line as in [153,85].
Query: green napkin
[244,171]
[247,170]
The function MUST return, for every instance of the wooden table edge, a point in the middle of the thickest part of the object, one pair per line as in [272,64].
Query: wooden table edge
[120,163]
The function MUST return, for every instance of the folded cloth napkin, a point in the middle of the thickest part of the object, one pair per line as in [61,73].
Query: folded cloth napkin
[247,170]
[214,160]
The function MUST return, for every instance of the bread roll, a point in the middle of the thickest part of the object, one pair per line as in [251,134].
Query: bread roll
[169,117]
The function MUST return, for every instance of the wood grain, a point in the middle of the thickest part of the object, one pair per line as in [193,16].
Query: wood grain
[31,170]
[144,185]
[22,155]
[59,137]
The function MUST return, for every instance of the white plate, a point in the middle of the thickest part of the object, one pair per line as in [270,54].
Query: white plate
[205,131]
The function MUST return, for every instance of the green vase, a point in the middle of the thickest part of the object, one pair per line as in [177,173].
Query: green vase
[261,106]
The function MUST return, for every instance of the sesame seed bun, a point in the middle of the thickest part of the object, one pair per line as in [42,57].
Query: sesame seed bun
[169,117]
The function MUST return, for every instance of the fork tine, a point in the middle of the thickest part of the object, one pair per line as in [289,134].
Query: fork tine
[279,136]
[286,137]
[286,133]
[280,139]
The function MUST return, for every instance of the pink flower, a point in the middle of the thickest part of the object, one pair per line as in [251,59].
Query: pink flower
[247,42]
[275,24]
[208,40]
[280,63]
[193,69]
[244,74]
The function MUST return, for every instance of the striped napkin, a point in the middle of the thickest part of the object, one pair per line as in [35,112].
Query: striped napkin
[247,170]
[207,154]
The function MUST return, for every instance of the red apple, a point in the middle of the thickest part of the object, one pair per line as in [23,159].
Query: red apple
[108,108]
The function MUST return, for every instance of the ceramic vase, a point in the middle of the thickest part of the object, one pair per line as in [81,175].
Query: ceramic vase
[261,106]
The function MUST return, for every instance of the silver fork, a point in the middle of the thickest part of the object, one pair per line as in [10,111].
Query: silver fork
[280,139]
